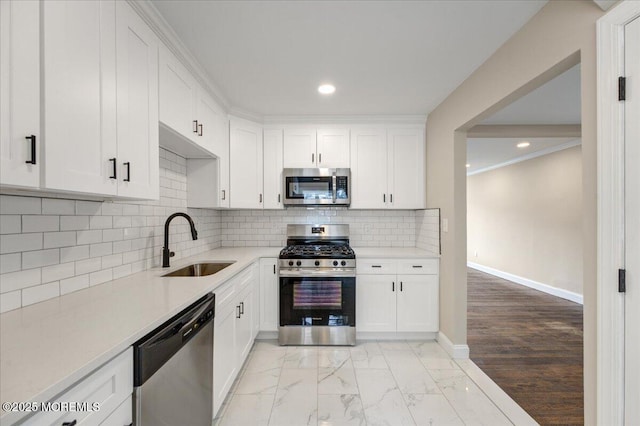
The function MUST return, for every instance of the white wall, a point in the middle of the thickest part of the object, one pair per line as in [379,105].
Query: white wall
[526,219]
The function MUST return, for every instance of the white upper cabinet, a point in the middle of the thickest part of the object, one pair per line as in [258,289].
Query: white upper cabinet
[177,96]
[333,148]
[306,147]
[388,168]
[406,171]
[273,169]
[369,168]
[137,105]
[245,147]
[20,93]
[299,147]
[80,96]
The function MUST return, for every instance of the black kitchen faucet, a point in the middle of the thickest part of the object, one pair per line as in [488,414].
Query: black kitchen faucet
[166,253]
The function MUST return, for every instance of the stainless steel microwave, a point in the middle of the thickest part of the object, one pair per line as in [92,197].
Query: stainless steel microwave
[317,187]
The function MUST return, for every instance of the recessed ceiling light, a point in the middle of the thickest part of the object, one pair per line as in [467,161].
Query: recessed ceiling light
[523,144]
[326,89]
[468,165]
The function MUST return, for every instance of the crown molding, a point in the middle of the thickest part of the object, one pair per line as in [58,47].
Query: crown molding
[530,156]
[419,120]
[168,36]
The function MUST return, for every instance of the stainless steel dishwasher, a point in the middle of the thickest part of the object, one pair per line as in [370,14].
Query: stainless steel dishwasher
[173,369]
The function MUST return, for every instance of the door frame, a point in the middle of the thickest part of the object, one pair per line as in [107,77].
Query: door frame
[610,169]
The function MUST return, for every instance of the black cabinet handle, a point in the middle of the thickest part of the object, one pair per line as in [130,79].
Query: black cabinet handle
[32,138]
[319,158]
[391,198]
[274,269]
[238,311]
[417,266]
[400,285]
[200,132]
[73,423]
[376,266]
[260,198]
[115,169]
[241,308]
[384,198]
[313,158]
[278,197]
[393,286]
[128,166]
[224,194]
[195,126]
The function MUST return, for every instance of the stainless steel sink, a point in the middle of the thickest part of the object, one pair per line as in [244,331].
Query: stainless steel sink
[199,269]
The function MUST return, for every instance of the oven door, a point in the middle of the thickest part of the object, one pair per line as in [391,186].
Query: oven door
[317,301]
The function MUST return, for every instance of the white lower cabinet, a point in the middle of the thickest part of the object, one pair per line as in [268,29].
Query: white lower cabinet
[269,302]
[387,301]
[234,330]
[109,388]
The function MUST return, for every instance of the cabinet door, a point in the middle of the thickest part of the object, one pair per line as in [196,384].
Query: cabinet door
[418,303]
[177,96]
[376,302]
[225,363]
[245,146]
[137,82]
[80,96]
[269,301]
[299,148]
[369,169]
[19,92]
[333,148]
[210,121]
[273,169]
[222,160]
[244,332]
[406,152]
[213,126]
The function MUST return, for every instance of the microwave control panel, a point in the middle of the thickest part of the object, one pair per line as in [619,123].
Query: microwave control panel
[342,186]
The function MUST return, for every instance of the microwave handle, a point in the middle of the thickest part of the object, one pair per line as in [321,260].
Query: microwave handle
[335,191]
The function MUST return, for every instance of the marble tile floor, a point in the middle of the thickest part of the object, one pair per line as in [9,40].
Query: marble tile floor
[373,383]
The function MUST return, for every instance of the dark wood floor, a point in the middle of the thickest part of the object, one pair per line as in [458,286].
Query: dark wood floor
[530,344]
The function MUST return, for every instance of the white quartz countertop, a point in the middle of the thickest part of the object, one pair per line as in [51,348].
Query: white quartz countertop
[47,347]
[393,253]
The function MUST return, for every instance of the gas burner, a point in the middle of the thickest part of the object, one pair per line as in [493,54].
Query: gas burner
[322,251]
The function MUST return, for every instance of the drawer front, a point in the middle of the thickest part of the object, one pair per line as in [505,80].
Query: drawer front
[418,266]
[225,294]
[244,278]
[375,266]
[103,391]
[123,415]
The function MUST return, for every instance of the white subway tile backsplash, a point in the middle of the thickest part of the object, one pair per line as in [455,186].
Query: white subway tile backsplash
[39,293]
[100,277]
[10,224]
[19,280]
[58,207]
[10,262]
[58,272]
[89,208]
[59,239]
[74,223]
[40,223]
[112,209]
[112,261]
[69,254]
[14,243]
[36,259]
[88,265]
[10,301]
[74,284]
[112,235]
[89,237]
[10,204]
[100,222]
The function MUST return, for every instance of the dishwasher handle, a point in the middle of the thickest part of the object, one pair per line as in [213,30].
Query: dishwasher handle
[156,348]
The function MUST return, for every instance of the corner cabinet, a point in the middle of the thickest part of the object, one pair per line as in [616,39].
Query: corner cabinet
[20,157]
[246,180]
[388,168]
[397,295]
[100,100]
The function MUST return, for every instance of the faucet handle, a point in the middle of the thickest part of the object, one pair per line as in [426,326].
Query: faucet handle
[172,253]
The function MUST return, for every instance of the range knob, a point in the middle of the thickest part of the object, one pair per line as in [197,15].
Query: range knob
[291,263]
[335,263]
[317,263]
[343,263]
[298,263]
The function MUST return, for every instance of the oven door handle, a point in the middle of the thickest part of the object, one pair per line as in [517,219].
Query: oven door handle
[333,273]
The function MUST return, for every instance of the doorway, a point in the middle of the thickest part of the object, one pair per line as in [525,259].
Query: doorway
[524,250]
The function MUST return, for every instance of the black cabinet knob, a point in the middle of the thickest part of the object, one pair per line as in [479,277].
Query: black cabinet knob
[335,263]
[343,263]
[298,263]
[317,263]
[291,263]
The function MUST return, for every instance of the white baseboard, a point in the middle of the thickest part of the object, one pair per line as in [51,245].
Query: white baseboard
[267,335]
[393,335]
[455,351]
[545,288]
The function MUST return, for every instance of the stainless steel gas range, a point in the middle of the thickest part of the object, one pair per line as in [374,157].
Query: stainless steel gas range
[317,286]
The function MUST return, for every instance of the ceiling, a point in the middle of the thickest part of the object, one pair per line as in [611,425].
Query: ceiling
[556,102]
[384,57]
[486,153]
